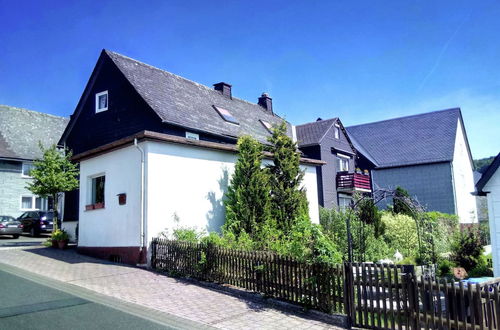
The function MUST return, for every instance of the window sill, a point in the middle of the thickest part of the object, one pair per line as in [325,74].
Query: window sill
[96,206]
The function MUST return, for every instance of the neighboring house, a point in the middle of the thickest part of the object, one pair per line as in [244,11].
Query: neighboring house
[489,186]
[426,154]
[156,151]
[481,201]
[328,141]
[21,131]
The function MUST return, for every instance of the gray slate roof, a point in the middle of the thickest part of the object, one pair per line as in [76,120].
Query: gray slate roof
[412,140]
[312,133]
[186,103]
[492,168]
[21,130]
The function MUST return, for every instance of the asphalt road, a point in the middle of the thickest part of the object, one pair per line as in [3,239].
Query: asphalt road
[23,240]
[28,304]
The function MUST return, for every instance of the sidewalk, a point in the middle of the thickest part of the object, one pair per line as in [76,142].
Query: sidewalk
[181,298]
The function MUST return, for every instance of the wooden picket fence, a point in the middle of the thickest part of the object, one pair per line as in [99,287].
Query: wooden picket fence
[373,296]
[319,286]
[393,297]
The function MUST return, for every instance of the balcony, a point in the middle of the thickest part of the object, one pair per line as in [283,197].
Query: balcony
[351,182]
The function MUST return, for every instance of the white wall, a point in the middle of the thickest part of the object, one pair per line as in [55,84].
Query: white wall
[463,179]
[114,225]
[188,183]
[493,187]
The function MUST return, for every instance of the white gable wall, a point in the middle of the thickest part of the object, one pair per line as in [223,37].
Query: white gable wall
[493,189]
[463,179]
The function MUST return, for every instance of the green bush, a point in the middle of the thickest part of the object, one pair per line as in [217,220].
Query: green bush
[334,224]
[481,269]
[401,202]
[401,234]
[190,235]
[444,226]
[445,267]
[467,249]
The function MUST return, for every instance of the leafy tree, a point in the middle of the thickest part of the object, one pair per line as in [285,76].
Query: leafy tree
[288,199]
[400,202]
[53,175]
[247,200]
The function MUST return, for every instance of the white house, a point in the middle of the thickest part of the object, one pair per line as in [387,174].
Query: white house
[156,151]
[489,185]
[151,182]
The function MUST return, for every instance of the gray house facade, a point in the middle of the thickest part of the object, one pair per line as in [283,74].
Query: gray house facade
[21,131]
[327,140]
[426,154]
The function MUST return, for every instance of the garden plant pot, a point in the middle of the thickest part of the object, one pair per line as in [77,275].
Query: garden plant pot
[63,244]
[54,244]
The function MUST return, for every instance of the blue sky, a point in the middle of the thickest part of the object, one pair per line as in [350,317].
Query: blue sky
[362,61]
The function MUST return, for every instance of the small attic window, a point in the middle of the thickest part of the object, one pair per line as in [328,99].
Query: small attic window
[268,126]
[337,131]
[226,115]
[101,101]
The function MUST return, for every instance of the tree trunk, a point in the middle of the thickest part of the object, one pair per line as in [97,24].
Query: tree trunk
[54,221]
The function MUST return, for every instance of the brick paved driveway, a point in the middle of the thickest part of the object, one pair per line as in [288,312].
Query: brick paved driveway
[186,299]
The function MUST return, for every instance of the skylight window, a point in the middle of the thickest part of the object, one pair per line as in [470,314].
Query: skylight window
[268,126]
[226,115]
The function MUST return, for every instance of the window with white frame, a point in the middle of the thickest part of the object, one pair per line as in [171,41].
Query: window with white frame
[344,202]
[342,163]
[337,131]
[26,171]
[29,202]
[101,101]
[192,136]
[97,184]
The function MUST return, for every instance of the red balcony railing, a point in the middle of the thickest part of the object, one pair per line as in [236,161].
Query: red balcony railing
[353,182]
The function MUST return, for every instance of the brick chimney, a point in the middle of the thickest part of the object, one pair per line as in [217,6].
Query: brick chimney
[224,88]
[266,102]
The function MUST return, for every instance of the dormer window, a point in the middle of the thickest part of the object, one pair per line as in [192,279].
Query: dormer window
[268,126]
[192,136]
[101,101]
[226,115]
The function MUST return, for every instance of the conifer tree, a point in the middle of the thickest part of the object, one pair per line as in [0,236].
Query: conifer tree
[288,199]
[401,202]
[247,200]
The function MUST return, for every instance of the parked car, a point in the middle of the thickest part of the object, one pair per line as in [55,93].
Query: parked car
[37,222]
[10,226]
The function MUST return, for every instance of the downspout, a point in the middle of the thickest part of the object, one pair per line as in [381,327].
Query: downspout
[142,236]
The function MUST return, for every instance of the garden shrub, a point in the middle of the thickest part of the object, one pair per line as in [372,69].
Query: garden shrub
[400,202]
[190,235]
[334,224]
[401,234]
[467,249]
[445,268]
[481,269]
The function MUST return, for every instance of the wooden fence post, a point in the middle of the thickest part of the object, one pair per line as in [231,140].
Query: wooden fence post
[348,298]
[153,253]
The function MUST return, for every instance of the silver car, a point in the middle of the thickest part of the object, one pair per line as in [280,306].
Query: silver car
[10,226]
